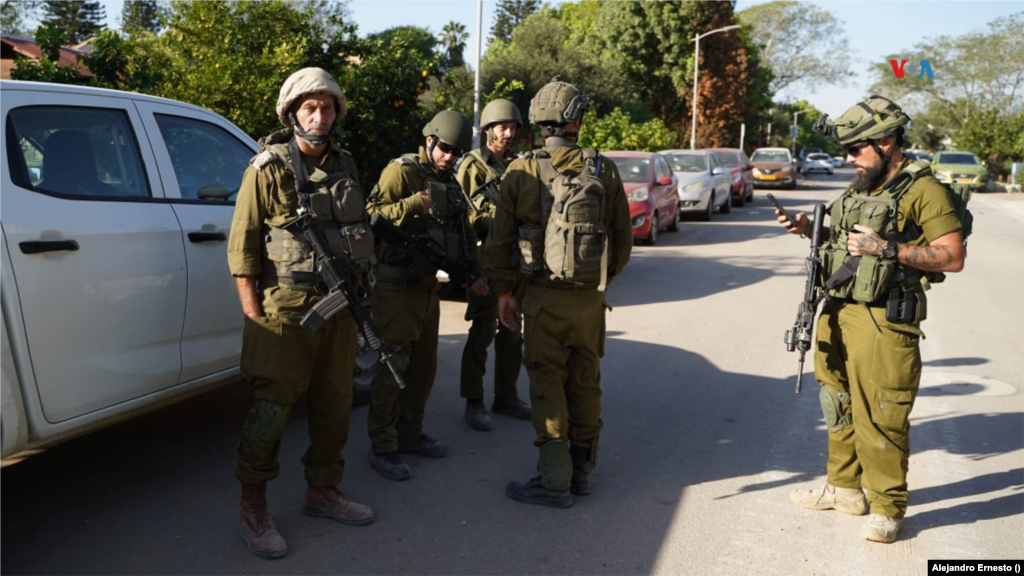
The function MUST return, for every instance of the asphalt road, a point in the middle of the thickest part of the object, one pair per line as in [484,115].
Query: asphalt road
[703,441]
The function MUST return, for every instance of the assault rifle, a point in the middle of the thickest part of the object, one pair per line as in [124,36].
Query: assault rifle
[333,275]
[422,248]
[800,336]
[490,191]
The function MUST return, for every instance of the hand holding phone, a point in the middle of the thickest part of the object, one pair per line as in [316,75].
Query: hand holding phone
[785,213]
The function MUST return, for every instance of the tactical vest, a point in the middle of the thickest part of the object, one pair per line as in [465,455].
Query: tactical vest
[873,277]
[480,202]
[336,204]
[571,243]
[445,226]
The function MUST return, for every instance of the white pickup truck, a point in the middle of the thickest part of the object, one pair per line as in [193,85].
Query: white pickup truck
[116,297]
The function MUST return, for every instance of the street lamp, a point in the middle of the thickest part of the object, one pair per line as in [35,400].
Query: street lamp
[696,62]
[795,129]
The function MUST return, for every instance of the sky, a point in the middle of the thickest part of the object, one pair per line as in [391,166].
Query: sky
[875,29]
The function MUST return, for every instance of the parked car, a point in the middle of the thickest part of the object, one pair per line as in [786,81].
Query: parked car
[116,295]
[774,167]
[818,163]
[917,155]
[742,174]
[804,153]
[838,162]
[704,183]
[950,166]
[652,191]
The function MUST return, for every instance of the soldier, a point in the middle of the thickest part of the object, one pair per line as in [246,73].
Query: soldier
[418,193]
[565,208]
[277,286]
[500,121]
[868,358]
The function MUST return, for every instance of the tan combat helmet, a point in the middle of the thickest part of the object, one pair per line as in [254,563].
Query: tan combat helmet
[559,103]
[874,118]
[308,81]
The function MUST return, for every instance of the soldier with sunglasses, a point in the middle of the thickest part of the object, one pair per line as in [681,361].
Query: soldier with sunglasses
[893,233]
[418,193]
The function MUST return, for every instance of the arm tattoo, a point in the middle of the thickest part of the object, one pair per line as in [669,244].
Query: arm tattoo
[927,258]
[868,244]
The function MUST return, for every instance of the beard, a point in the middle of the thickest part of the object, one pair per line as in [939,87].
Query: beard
[871,178]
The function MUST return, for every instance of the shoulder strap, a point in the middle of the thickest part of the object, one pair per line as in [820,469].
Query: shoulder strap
[547,177]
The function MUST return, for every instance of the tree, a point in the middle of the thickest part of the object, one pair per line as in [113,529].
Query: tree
[509,15]
[453,38]
[996,139]
[15,16]
[79,19]
[141,15]
[618,131]
[48,68]
[414,37]
[803,45]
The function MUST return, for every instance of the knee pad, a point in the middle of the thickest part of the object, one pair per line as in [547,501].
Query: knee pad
[555,465]
[266,421]
[833,402]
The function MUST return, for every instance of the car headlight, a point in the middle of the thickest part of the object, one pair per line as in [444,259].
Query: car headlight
[942,176]
[756,172]
[693,187]
[638,195]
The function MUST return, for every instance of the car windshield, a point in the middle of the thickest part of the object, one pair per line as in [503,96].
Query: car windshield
[818,157]
[730,159]
[633,169]
[769,156]
[958,159]
[688,162]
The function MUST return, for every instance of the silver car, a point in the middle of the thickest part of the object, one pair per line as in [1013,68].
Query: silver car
[704,182]
[817,163]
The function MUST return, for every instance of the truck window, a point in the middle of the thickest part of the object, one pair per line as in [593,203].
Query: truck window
[208,161]
[75,152]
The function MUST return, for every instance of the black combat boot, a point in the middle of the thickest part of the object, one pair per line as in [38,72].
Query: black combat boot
[534,492]
[581,467]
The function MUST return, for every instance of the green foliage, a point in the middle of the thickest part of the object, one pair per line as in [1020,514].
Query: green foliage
[509,15]
[803,45]
[134,64]
[48,68]
[617,131]
[417,38]
[78,19]
[997,140]
[141,16]
[453,39]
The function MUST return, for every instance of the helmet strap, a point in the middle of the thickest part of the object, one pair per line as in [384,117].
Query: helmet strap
[314,139]
[432,143]
[885,159]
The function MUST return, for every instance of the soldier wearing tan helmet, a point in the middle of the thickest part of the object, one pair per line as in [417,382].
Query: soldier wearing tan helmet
[479,175]
[297,169]
[419,194]
[893,232]
[565,209]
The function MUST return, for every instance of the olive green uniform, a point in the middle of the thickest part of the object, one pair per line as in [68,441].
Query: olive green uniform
[564,327]
[482,311]
[870,369]
[280,359]
[408,316]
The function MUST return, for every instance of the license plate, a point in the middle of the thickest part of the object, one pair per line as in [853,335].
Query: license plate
[965,180]
[768,177]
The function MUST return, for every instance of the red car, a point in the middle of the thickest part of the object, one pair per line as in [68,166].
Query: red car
[652,190]
[742,174]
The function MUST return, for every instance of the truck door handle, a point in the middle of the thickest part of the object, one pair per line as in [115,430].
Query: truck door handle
[198,237]
[40,246]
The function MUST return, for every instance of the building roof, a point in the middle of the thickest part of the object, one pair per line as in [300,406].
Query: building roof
[12,45]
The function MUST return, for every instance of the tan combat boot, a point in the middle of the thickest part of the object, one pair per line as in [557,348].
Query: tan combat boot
[256,528]
[846,500]
[329,502]
[880,528]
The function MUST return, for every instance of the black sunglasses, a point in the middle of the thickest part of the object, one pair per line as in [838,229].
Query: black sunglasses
[856,149]
[449,149]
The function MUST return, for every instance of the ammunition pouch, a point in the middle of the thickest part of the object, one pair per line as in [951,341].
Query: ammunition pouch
[832,403]
[872,279]
[531,248]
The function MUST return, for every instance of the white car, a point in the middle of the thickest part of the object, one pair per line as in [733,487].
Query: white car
[705,183]
[116,293]
[817,163]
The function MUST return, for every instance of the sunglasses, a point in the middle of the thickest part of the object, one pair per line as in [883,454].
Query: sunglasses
[856,149]
[447,148]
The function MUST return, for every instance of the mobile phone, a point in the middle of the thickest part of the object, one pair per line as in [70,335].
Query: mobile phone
[785,213]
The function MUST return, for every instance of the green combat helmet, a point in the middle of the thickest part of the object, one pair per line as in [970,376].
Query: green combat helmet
[451,127]
[302,83]
[557,103]
[872,119]
[498,112]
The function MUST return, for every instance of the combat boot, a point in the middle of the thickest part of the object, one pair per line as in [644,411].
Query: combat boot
[390,465]
[513,407]
[329,502]
[581,468]
[477,416]
[256,528]
[880,528]
[534,492]
[828,497]
[424,446]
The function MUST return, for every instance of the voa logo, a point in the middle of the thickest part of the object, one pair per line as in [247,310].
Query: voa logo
[902,68]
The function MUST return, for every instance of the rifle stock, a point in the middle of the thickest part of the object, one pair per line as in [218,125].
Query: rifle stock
[801,336]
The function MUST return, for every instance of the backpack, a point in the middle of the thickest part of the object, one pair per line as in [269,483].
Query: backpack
[575,236]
